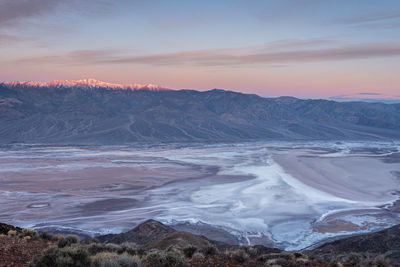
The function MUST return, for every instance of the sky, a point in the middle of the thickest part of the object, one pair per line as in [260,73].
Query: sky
[302,48]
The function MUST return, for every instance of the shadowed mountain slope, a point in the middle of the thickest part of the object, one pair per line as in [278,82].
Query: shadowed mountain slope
[101,115]
[144,233]
[383,242]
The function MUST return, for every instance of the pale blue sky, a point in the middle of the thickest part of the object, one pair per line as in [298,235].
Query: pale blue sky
[270,47]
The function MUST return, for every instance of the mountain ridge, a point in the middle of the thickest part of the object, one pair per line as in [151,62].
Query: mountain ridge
[69,115]
[88,83]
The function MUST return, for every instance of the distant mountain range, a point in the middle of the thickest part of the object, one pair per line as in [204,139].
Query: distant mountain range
[85,83]
[93,112]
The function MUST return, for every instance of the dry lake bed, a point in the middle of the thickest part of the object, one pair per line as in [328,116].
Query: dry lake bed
[289,195]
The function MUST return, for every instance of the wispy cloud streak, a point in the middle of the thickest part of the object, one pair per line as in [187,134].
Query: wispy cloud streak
[7,39]
[226,57]
[12,11]
[372,18]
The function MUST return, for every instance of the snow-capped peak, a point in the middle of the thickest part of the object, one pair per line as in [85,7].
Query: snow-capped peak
[88,83]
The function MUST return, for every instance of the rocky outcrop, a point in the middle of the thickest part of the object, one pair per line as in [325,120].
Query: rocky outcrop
[4,228]
[180,240]
[144,233]
[374,249]
[386,242]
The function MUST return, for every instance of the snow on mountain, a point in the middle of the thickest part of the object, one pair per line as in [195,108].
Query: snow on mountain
[87,83]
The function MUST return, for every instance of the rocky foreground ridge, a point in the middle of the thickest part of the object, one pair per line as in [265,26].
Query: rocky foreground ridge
[154,244]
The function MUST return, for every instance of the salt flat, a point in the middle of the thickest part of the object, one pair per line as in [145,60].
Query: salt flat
[289,195]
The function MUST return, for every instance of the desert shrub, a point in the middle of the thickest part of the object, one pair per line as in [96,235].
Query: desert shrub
[251,251]
[197,255]
[175,258]
[299,255]
[126,260]
[63,257]
[303,262]
[28,232]
[380,261]
[284,262]
[111,247]
[47,236]
[141,251]
[67,241]
[72,239]
[12,233]
[155,259]
[164,259]
[112,259]
[103,259]
[89,240]
[353,259]
[95,248]
[127,247]
[62,242]
[210,250]
[189,251]
[270,256]
[240,255]
[334,262]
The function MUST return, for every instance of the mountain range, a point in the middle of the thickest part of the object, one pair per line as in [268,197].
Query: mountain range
[94,112]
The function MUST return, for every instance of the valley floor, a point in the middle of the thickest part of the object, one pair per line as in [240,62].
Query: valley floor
[285,195]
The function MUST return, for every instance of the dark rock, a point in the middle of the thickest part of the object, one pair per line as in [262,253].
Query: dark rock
[4,228]
[266,250]
[383,242]
[179,240]
[144,233]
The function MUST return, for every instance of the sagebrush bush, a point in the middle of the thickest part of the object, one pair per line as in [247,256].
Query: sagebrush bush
[47,236]
[67,241]
[175,258]
[210,250]
[88,241]
[380,261]
[240,255]
[189,251]
[155,258]
[164,259]
[284,262]
[28,232]
[299,255]
[353,259]
[12,233]
[197,255]
[62,242]
[63,257]
[251,251]
[282,255]
[72,239]
[103,259]
[95,248]
[128,247]
[111,247]
[126,260]
[334,261]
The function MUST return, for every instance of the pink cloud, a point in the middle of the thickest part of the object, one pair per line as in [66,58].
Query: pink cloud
[226,57]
